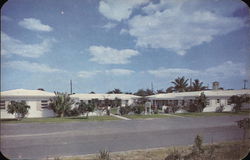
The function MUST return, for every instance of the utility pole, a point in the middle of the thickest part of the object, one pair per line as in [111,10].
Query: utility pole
[70,86]
[152,87]
[190,85]
[245,84]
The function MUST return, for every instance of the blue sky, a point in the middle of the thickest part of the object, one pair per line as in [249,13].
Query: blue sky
[102,45]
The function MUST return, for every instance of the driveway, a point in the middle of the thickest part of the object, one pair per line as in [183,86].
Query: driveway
[41,140]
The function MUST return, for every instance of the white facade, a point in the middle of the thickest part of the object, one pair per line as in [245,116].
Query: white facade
[215,98]
[126,99]
[37,100]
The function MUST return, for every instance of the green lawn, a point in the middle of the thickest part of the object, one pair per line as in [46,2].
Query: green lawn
[147,116]
[113,110]
[61,120]
[105,118]
[197,114]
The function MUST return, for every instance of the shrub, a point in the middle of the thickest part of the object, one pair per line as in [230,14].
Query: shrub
[245,125]
[198,144]
[219,109]
[125,110]
[73,112]
[18,108]
[138,109]
[174,155]
[175,108]
[191,108]
[104,155]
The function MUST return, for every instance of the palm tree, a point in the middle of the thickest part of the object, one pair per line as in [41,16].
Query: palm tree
[180,84]
[18,108]
[61,103]
[197,86]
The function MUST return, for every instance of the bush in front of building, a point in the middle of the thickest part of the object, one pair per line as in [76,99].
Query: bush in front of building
[138,109]
[61,103]
[20,109]
[84,108]
[125,110]
[239,100]
[219,109]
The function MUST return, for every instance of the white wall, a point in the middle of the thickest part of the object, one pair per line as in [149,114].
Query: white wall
[35,110]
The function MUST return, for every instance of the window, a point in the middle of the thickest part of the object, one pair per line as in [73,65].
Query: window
[183,102]
[176,102]
[207,102]
[218,100]
[44,104]
[2,105]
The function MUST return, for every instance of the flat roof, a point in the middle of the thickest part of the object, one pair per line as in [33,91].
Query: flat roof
[208,93]
[26,93]
[104,96]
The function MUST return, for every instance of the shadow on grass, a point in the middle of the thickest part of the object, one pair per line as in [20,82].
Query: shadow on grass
[11,119]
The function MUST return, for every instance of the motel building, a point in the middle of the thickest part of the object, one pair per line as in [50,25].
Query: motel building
[214,99]
[39,101]
[126,99]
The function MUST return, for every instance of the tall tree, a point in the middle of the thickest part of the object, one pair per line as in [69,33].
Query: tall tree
[41,89]
[197,86]
[180,84]
[61,103]
[201,102]
[160,91]
[20,109]
[115,91]
[142,92]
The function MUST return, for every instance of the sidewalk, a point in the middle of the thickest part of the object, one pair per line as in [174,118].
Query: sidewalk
[124,118]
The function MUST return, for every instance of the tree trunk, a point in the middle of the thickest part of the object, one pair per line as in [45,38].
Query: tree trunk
[62,114]
[87,116]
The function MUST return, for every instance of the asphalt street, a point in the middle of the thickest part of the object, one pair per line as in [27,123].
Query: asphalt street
[41,140]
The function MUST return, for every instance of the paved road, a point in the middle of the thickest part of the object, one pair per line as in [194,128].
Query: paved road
[39,140]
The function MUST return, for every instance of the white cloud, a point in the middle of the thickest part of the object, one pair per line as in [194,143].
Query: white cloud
[173,72]
[87,74]
[124,31]
[109,25]
[30,66]
[34,25]
[119,72]
[115,72]
[222,71]
[227,69]
[11,45]
[119,9]
[107,55]
[173,26]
